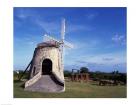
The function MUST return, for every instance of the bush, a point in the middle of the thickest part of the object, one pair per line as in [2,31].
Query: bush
[67,73]
[84,70]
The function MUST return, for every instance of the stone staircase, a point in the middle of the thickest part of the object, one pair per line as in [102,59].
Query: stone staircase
[47,83]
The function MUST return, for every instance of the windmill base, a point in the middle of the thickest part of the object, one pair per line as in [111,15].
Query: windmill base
[46,84]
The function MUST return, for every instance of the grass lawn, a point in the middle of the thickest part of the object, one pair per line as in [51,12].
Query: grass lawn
[75,90]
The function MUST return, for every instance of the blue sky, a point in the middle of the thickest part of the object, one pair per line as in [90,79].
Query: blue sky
[98,36]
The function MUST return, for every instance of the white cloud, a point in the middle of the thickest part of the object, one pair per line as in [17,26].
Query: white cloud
[120,39]
[99,61]
[73,27]
[91,16]
[49,27]
[55,27]
[23,13]
[81,44]
[29,41]
[107,59]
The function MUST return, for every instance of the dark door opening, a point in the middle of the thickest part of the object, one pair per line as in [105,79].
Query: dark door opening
[46,67]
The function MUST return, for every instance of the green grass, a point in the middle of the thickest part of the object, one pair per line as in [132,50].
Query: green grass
[75,90]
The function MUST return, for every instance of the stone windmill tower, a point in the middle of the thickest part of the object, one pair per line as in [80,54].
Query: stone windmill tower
[46,66]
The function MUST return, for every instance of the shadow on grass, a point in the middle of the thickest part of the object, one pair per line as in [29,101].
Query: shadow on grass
[17,81]
[22,84]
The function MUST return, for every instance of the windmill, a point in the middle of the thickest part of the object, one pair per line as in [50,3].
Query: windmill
[47,64]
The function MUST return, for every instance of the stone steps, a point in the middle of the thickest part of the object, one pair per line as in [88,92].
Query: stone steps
[46,84]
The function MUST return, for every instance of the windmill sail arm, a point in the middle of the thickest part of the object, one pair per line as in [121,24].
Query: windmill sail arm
[48,38]
[63,29]
[67,44]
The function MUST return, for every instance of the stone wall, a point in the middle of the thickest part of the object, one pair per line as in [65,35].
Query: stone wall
[33,80]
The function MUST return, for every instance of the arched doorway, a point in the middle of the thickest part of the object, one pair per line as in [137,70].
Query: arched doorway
[46,67]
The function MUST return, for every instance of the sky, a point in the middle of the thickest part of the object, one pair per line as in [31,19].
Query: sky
[98,35]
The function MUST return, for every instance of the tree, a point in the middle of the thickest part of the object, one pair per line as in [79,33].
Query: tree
[67,73]
[84,70]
